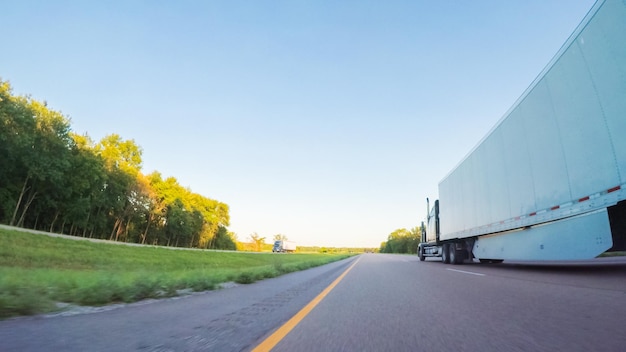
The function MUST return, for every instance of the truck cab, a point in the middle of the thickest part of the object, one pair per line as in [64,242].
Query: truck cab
[429,244]
[451,251]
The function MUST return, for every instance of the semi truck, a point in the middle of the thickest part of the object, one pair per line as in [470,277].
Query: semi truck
[548,182]
[284,246]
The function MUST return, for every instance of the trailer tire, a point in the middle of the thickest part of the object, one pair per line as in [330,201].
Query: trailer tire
[445,253]
[455,257]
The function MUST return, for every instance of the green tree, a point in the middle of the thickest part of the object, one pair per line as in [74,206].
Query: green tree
[155,207]
[16,140]
[73,201]
[402,241]
[123,194]
[124,155]
[43,156]
[414,238]
[55,180]
[224,240]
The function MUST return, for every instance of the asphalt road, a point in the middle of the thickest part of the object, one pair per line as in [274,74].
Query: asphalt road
[396,303]
[384,303]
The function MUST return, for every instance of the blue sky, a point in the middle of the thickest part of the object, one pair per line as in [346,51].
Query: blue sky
[327,121]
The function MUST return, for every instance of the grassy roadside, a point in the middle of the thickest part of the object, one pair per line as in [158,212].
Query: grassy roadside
[38,272]
[613,254]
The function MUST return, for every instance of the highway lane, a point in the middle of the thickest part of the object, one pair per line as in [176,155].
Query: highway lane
[396,303]
[384,303]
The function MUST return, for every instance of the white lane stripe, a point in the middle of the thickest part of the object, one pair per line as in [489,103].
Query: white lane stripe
[466,272]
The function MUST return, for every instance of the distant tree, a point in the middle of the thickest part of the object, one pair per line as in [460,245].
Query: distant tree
[279,237]
[415,236]
[402,241]
[257,241]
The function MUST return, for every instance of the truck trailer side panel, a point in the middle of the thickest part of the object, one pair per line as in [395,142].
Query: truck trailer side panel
[580,237]
[558,153]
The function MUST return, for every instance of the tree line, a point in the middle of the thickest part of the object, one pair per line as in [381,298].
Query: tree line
[402,241]
[55,180]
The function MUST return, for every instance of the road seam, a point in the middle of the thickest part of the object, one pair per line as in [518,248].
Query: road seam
[279,334]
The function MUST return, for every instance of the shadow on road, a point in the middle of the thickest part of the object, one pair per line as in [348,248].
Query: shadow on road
[598,265]
[591,266]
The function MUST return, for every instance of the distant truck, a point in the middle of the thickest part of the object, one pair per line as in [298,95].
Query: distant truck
[549,180]
[284,246]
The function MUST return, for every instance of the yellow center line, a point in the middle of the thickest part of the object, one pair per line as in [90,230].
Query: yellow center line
[279,334]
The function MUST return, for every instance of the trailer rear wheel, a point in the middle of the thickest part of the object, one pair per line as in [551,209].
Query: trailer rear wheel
[445,253]
[455,256]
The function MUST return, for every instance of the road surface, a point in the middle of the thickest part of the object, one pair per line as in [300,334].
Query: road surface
[383,303]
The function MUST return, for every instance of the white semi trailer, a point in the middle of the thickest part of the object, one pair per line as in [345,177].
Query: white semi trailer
[284,246]
[548,182]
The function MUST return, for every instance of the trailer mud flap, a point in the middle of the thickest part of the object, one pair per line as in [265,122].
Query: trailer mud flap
[617,218]
[580,237]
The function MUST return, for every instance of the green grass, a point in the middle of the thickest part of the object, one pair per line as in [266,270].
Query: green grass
[613,254]
[37,271]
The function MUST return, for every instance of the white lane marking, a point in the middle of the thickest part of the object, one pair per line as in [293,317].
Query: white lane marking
[466,272]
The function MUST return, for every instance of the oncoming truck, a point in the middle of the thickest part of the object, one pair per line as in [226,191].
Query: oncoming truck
[548,182]
[284,246]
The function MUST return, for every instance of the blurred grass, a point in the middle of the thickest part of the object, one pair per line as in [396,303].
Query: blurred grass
[614,254]
[38,271]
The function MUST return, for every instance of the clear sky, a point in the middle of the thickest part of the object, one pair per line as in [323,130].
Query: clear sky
[327,121]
